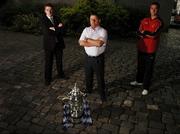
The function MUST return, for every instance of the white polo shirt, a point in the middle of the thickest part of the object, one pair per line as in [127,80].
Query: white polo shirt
[97,33]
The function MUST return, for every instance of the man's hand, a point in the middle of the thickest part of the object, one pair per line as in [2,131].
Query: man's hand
[91,42]
[60,25]
[101,42]
[84,43]
[52,28]
[142,31]
[97,43]
[141,36]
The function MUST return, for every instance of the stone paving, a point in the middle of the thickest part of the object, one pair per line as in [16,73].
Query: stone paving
[28,107]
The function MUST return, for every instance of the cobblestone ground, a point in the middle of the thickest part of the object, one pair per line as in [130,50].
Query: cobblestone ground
[27,107]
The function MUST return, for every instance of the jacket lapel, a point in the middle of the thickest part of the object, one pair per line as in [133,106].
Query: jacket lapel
[49,21]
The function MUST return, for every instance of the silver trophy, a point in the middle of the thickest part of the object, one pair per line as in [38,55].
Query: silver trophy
[75,101]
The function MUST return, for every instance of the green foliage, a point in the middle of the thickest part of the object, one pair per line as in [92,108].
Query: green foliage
[76,18]
[26,23]
[135,16]
[24,17]
[114,17]
[10,10]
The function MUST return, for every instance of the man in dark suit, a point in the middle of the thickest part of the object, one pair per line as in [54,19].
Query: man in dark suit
[53,43]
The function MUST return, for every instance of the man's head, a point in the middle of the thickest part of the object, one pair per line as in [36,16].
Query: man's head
[154,8]
[48,9]
[94,20]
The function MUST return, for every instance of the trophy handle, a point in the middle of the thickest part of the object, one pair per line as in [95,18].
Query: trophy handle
[65,99]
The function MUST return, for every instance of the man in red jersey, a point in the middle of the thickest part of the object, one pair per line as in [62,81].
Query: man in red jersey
[149,34]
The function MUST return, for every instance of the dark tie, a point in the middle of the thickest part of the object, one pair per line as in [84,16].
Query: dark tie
[51,19]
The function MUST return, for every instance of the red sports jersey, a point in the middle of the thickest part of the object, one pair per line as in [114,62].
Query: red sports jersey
[149,44]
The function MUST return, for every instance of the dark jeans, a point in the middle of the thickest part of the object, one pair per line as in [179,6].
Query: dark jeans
[95,64]
[145,68]
[49,55]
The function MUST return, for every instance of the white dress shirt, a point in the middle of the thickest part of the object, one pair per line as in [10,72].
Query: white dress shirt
[51,19]
[97,33]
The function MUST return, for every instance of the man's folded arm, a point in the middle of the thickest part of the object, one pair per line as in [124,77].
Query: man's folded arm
[154,34]
[91,43]
[97,43]
[102,40]
[46,28]
[139,33]
[84,43]
[59,28]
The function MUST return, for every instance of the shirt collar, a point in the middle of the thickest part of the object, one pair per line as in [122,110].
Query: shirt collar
[97,28]
[154,18]
[49,17]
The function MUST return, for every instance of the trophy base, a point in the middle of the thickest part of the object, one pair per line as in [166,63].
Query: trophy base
[76,120]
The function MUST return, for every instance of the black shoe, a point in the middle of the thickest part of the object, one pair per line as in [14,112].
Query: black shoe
[103,98]
[87,92]
[62,76]
[47,83]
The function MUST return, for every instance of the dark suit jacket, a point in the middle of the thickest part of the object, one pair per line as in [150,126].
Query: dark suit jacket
[52,39]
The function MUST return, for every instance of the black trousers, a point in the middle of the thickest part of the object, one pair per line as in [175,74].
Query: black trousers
[49,56]
[95,65]
[145,68]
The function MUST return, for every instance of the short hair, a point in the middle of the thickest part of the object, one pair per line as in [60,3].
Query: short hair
[156,3]
[95,14]
[48,5]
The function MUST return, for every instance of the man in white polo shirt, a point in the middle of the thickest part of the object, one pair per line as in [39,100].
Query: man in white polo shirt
[94,40]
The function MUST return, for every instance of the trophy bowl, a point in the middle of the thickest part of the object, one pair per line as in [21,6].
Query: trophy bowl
[74,101]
